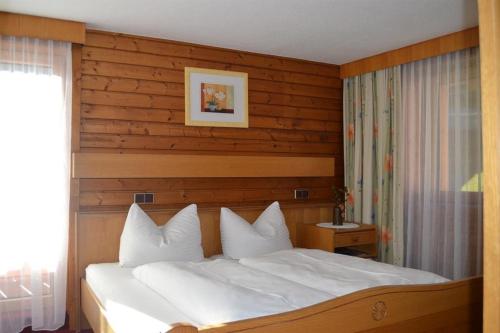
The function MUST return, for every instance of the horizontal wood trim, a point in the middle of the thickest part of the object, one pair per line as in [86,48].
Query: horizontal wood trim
[95,165]
[41,27]
[441,45]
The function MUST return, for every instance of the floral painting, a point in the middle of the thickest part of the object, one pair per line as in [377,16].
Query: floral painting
[217,98]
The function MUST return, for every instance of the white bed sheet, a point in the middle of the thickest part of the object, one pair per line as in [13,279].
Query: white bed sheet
[130,305]
[220,291]
[336,274]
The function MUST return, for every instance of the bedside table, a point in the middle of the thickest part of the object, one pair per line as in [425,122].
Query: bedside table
[360,242]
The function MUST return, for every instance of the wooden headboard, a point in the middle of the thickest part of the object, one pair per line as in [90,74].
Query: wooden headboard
[98,233]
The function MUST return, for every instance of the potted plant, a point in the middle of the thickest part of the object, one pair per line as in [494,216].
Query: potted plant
[339,200]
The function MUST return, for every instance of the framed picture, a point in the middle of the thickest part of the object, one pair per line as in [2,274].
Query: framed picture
[216,98]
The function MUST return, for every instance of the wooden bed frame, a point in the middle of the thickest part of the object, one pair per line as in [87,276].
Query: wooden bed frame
[449,307]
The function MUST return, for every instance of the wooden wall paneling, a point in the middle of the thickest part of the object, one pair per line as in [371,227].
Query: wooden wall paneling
[163,115]
[193,51]
[280,113]
[178,192]
[489,28]
[132,109]
[135,99]
[41,27]
[125,127]
[208,144]
[263,79]
[426,49]
[132,102]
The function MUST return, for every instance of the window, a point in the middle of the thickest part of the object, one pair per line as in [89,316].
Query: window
[443,208]
[35,88]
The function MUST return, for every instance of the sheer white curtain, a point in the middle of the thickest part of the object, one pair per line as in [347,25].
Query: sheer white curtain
[35,90]
[443,185]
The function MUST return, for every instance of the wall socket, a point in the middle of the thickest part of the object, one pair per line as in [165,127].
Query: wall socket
[301,194]
[144,198]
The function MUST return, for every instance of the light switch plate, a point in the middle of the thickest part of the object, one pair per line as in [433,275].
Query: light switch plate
[301,194]
[144,198]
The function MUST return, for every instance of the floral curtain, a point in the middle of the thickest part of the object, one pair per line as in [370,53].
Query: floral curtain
[372,104]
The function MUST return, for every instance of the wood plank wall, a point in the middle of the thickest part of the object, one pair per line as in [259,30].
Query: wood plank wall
[132,101]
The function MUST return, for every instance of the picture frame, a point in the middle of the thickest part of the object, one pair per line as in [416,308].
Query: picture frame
[215,98]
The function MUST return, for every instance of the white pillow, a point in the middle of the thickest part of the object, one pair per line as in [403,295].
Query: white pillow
[241,239]
[142,241]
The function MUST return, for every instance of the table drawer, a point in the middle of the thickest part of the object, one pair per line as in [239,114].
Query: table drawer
[355,238]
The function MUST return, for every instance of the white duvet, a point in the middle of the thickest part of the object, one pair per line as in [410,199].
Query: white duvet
[336,274]
[221,290]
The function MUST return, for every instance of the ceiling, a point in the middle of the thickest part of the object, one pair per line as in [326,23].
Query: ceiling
[333,31]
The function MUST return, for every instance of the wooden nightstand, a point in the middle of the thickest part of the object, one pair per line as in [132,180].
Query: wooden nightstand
[361,241]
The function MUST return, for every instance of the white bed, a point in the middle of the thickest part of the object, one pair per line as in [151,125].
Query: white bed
[222,290]
[130,305]
[152,297]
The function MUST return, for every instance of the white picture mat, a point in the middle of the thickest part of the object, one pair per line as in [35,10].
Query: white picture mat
[196,79]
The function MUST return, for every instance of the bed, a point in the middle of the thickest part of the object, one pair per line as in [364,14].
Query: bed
[445,307]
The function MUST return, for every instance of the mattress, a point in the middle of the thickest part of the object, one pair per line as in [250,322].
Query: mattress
[130,305]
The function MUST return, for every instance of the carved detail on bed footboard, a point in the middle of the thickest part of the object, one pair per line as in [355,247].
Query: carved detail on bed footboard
[379,311]
[182,328]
